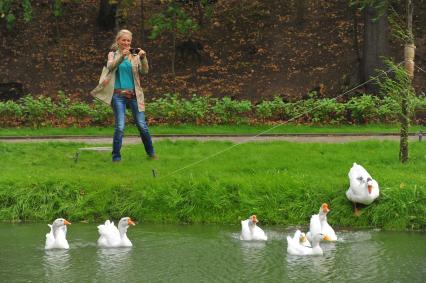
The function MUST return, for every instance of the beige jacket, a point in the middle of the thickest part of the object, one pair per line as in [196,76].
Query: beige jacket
[105,88]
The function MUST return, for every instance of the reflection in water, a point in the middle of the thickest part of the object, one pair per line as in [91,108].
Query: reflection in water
[359,256]
[114,264]
[253,252]
[254,260]
[56,265]
[301,268]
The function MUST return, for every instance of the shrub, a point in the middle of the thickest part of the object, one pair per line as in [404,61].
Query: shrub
[80,111]
[227,110]
[36,110]
[274,109]
[363,109]
[197,109]
[60,108]
[388,110]
[10,112]
[168,109]
[327,110]
[101,113]
[172,109]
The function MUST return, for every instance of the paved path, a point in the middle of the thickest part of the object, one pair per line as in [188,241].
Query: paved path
[323,138]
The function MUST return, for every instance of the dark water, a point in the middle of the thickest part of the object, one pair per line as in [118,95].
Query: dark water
[208,253]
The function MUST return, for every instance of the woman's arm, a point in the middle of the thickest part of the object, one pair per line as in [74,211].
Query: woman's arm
[143,66]
[112,62]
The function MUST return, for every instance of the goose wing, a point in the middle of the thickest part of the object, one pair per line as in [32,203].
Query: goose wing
[109,236]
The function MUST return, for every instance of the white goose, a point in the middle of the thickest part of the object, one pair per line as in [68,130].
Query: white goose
[112,237]
[250,231]
[303,240]
[294,247]
[57,237]
[362,187]
[300,238]
[319,224]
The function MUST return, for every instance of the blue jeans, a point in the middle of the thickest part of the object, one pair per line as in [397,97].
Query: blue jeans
[119,107]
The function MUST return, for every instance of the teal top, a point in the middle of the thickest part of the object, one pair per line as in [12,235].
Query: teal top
[124,76]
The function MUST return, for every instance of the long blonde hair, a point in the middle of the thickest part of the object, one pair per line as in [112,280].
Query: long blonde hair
[122,32]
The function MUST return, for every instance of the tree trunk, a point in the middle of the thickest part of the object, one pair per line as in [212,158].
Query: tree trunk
[405,122]
[107,15]
[116,15]
[56,20]
[300,12]
[174,31]
[200,13]
[409,65]
[375,44]
[355,38]
[142,24]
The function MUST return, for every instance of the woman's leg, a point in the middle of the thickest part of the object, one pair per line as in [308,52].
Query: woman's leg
[139,118]
[119,108]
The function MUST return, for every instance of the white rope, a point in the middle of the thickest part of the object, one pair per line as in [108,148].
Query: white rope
[276,126]
[420,69]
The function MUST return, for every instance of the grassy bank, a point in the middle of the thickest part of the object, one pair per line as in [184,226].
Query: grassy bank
[282,182]
[219,129]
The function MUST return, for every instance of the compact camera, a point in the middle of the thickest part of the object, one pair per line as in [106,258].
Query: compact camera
[134,51]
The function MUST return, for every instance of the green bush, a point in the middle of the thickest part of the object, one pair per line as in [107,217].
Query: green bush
[37,110]
[101,113]
[80,111]
[10,112]
[197,109]
[388,110]
[173,109]
[273,109]
[167,109]
[60,108]
[327,110]
[363,109]
[226,110]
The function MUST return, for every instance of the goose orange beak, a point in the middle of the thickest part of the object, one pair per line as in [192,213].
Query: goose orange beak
[254,219]
[325,208]
[130,222]
[370,188]
[326,238]
[66,222]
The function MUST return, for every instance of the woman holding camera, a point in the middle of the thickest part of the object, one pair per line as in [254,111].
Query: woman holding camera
[122,87]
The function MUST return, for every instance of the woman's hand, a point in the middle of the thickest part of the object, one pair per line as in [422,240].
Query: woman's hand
[125,52]
[141,53]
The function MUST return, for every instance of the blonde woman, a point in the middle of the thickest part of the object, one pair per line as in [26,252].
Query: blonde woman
[125,65]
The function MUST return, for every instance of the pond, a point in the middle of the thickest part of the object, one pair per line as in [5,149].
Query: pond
[208,253]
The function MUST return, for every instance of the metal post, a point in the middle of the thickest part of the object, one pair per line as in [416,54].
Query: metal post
[77,155]
[420,135]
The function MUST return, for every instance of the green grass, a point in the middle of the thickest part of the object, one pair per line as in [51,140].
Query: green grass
[220,129]
[282,182]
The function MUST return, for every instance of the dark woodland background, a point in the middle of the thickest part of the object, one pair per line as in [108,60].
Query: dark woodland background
[245,49]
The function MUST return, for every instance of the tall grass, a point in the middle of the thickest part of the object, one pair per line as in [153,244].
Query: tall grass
[282,182]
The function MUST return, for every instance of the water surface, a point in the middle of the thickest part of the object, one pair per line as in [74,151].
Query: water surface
[208,253]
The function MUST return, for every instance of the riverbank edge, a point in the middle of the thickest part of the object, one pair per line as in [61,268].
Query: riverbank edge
[153,204]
